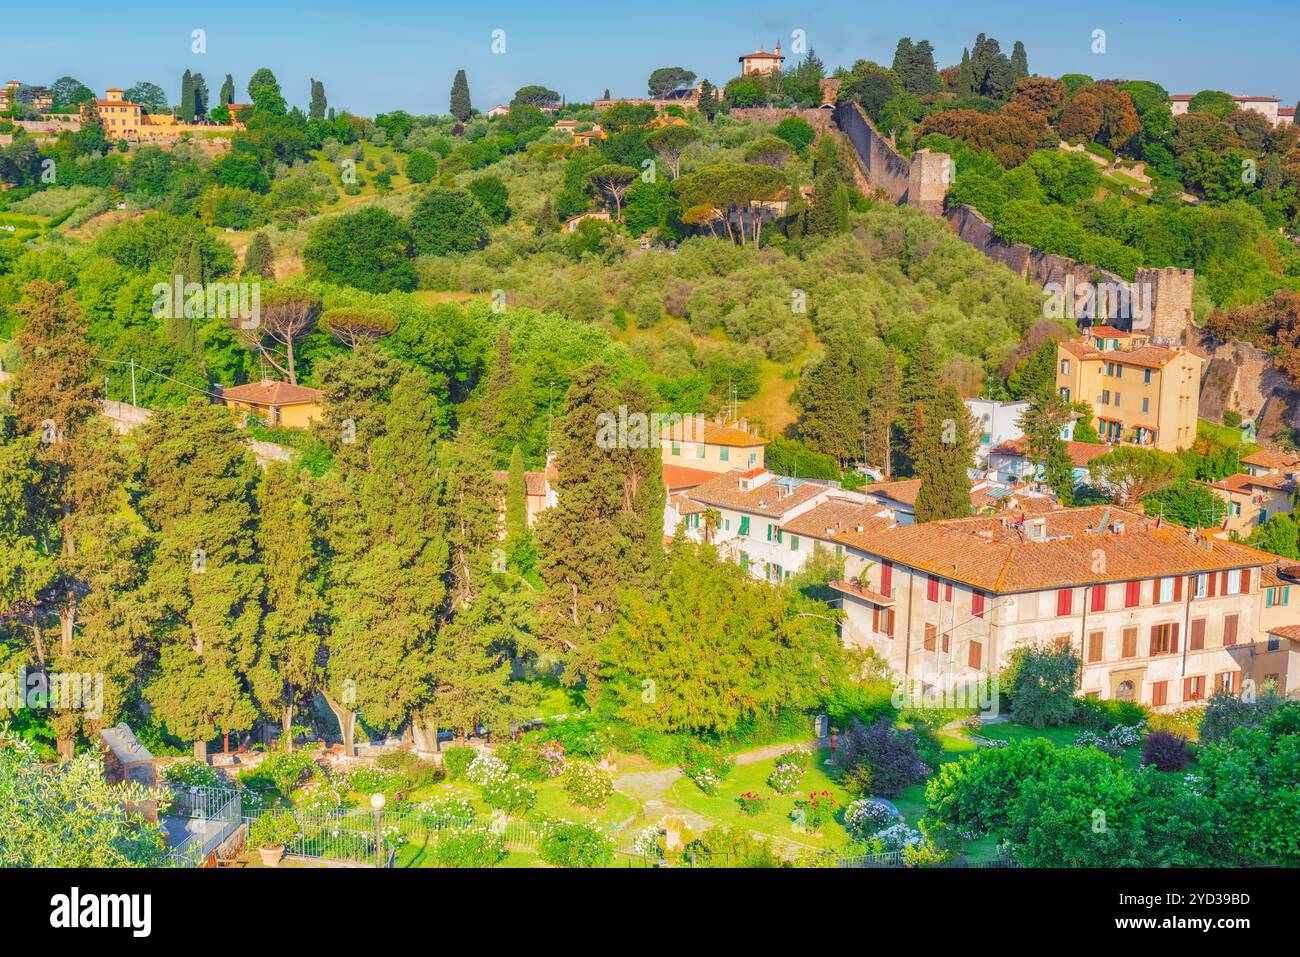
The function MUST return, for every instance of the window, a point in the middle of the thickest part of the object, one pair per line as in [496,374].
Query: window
[931,588]
[947,591]
[794,543]
[947,642]
[977,603]
[724,454]
[1117,398]
[1229,630]
[1196,637]
[1234,582]
[882,621]
[1146,405]
[974,651]
[1227,681]
[887,579]
[1146,375]
[930,632]
[1065,367]
[677,448]
[1194,688]
[753,458]
[1160,693]
[1105,396]
[1164,639]
[1166,591]
[1098,598]
[701,450]
[1129,646]
[1132,594]
[1202,585]
[1125,691]
[1277,596]
[1065,601]
[744,525]
[1096,640]
[769,531]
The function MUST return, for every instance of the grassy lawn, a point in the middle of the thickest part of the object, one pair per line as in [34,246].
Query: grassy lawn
[774,820]
[1225,435]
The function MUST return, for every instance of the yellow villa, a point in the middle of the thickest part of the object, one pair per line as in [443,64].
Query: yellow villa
[276,403]
[1139,392]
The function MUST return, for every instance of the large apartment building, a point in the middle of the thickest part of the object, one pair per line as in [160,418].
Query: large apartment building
[1140,392]
[1158,614]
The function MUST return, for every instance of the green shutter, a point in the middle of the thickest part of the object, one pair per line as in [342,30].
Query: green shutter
[794,543]
[769,531]
[724,454]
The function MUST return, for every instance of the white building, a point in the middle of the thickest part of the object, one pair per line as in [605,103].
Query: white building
[999,422]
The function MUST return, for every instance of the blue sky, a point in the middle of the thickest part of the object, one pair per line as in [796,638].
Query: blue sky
[403,53]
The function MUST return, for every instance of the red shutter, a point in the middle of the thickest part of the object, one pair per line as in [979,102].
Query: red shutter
[1188,685]
[1178,588]
[1098,597]
[1214,584]
[1245,581]
[875,619]
[1155,639]
[973,655]
[1132,594]
[1065,601]
[1196,640]
[932,588]
[889,623]
[1229,630]
[1173,641]
[1223,583]
[887,579]
[977,603]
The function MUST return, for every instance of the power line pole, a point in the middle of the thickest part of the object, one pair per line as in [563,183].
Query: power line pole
[133,401]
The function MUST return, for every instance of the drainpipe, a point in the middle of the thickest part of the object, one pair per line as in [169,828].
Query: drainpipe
[1083,636]
[907,633]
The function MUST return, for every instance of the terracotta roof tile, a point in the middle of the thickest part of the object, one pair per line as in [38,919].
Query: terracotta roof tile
[272,393]
[834,516]
[1275,459]
[994,553]
[769,498]
[904,491]
[678,477]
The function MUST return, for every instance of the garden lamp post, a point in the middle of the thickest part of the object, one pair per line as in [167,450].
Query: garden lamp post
[377,802]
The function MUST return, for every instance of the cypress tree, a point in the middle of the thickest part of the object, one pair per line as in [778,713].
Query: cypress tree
[945,452]
[227,94]
[205,581]
[187,98]
[516,499]
[1019,61]
[460,102]
[259,260]
[882,410]
[708,104]
[316,109]
[288,540]
[832,406]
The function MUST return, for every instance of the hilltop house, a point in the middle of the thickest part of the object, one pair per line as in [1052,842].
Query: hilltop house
[1268,106]
[1139,392]
[276,403]
[762,63]
[714,446]
[1158,614]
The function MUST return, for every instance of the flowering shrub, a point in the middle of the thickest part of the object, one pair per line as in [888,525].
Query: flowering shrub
[812,812]
[1113,742]
[274,830]
[373,780]
[474,848]
[649,841]
[567,844]
[879,759]
[785,778]
[798,755]
[751,804]
[449,810]
[865,817]
[1165,751]
[896,837]
[484,767]
[191,774]
[499,786]
[588,785]
[552,758]
[323,795]
[706,765]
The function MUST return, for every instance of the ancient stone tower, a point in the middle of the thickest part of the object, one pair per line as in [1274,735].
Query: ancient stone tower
[928,179]
[1169,293]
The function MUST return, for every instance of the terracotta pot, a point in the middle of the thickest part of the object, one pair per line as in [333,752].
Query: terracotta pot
[271,855]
